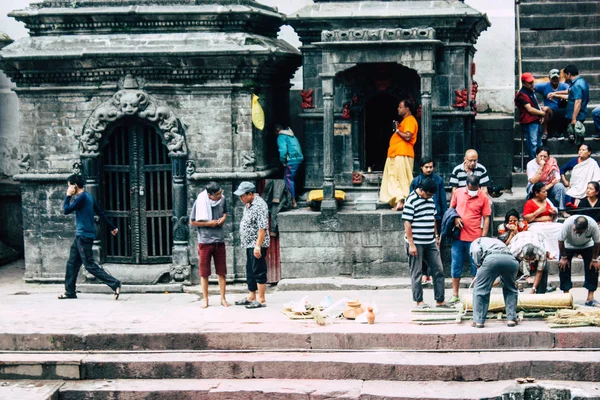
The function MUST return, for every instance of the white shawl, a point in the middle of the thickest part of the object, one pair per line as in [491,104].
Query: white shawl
[583,173]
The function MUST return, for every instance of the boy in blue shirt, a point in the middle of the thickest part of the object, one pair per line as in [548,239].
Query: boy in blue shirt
[85,207]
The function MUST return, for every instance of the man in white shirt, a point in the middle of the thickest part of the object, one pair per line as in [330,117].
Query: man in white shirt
[580,235]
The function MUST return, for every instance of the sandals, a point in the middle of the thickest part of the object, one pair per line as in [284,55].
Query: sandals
[243,302]
[512,324]
[445,305]
[423,306]
[592,303]
[255,304]
[65,296]
[117,292]
[476,325]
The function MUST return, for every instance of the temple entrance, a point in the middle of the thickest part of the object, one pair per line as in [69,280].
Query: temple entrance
[380,113]
[136,193]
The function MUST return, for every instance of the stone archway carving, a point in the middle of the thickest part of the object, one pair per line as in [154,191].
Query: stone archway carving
[131,100]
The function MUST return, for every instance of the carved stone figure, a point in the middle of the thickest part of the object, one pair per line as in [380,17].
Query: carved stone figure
[131,101]
[248,159]
[179,273]
[180,228]
[190,168]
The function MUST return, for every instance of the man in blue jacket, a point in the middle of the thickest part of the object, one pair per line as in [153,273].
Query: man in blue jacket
[85,207]
[290,155]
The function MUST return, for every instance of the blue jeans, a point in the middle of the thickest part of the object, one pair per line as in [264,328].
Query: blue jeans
[459,249]
[81,253]
[533,137]
[493,266]
[596,119]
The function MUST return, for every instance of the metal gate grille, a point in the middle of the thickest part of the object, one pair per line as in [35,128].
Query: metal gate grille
[136,190]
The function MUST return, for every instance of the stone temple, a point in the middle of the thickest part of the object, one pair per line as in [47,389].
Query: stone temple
[150,99]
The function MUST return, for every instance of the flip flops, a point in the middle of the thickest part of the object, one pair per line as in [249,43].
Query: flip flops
[445,305]
[476,325]
[592,303]
[255,304]
[65,296]
[423,306]
[117,292]
[242,302]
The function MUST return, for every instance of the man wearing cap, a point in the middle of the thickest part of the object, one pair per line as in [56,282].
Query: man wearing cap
[557,123]
[577,96]
[254,238]
[531,115]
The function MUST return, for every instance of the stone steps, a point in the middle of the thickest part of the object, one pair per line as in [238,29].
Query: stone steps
[298,389]
[559,21]
[365,365]
[529,7]
[563,51]
[588,66]
[579,36]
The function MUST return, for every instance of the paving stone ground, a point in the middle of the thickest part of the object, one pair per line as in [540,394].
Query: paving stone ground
[34,308]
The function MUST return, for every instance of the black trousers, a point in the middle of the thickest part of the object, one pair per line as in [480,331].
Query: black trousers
[256,269]
[591,275]
[81,253]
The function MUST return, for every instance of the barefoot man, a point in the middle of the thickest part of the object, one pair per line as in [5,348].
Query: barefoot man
[208,215]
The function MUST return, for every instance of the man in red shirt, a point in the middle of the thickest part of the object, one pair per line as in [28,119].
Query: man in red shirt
[531,115]
[472,206]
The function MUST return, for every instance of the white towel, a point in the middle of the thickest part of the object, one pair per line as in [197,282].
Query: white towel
[203,208]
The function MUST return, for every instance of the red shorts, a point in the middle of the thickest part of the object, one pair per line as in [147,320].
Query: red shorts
[217,252]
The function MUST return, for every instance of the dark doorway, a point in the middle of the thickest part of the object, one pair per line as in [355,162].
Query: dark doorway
[136,192]
[380,113]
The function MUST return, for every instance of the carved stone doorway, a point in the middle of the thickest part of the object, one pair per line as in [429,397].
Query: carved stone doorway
[380,112]
[137,193]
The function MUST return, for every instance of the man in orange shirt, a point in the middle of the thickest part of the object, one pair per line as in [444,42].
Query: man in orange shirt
[472,205]
[397,173]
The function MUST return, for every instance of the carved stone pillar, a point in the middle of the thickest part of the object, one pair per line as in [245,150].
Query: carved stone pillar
[90,167]
[328,204]
[426,124]
[180,270]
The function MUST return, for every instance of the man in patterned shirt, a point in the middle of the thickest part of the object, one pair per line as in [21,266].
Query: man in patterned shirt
[528,248]
[422,241]
[255,239]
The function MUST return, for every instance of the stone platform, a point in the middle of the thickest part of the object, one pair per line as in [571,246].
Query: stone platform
[165,346]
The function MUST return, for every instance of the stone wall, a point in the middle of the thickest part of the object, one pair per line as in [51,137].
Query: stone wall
[218,131]
[357,244]
[494,141]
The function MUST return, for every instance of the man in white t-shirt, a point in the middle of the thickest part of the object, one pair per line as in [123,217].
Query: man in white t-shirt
[580,235]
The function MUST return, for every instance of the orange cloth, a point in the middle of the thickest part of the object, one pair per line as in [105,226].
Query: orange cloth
[399,146]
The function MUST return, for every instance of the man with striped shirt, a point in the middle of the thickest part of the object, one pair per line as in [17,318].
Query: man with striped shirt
[422,241]
[470,166]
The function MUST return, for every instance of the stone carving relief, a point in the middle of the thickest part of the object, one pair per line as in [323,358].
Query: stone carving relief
[24,163]
[190,168]
[248,159]
[180,228]
[362,35]
[131,101]
[180,273]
